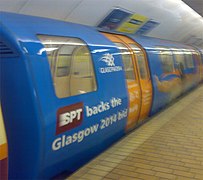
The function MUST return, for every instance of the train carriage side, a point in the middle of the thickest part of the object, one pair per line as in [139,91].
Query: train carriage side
[196,55]
[192,72]
[137,76]
[200,57]
[19,104]
[69,92]
[3,150]
[173,69]
[188,62]
[58,99]
[201,53]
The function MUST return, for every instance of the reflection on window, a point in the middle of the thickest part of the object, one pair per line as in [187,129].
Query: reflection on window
[140,61]
[201,56]
[179,56]
[189,60]
[166,58]
[127,61]
[70,64]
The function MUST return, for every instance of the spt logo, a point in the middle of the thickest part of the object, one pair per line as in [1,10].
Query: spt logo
[69,117]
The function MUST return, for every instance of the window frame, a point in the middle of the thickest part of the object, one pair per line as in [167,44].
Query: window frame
[178,52]
[130,54]
[162,51]
[144,61]
[189,61]
[53,70]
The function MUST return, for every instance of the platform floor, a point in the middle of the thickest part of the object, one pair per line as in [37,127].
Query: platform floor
[169,146]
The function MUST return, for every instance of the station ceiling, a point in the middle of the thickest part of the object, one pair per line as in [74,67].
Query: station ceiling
[174,19]
[196,5]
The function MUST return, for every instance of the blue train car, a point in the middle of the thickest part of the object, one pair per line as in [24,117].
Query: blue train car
[54,127]
[200,57]
[175,69]
[3,150]
[69,91]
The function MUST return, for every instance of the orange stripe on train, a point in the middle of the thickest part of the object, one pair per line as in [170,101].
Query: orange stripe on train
[3,151]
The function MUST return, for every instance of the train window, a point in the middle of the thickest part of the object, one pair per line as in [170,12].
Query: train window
[64,62]
[189,60]
[70,64]
[127,61]
[167,61]
[82,73]
[140,62]
[179,56]
[201,58]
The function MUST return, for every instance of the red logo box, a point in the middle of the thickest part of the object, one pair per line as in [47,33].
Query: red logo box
[69,117]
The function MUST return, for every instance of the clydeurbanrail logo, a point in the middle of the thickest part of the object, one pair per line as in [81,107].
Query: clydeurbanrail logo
[109,60]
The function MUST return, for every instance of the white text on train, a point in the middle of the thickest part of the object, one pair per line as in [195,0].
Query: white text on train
[103,106]
[76,137]
[68,117]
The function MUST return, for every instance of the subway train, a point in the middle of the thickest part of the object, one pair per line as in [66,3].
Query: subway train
[69,91]
[3,150]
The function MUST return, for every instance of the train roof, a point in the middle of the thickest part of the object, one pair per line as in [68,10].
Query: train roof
[20,21]
[25,27]
[150,43]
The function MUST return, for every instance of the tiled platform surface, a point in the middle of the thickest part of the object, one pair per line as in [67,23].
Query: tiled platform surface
[169,146]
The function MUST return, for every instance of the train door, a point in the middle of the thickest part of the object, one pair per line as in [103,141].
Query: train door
[144,76]
[131,81]
[141,65]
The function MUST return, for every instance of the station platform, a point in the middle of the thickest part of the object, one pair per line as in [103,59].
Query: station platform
[168,146]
